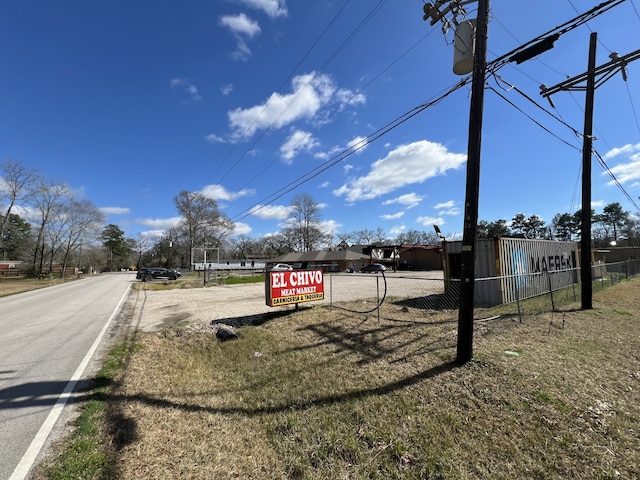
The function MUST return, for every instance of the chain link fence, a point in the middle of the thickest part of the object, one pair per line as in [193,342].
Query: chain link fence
[426,296]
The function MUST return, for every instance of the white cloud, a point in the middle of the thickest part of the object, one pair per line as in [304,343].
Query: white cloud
[397,230]
[227,89]
[152,235]
[240,25]
[329,227]
[625,172]
[114,210]
[29,214]
[241,228]
[627,150]
[324,185]
[213,138]
[359,144]
[187,86]
[408,199]
[298,141]
[271,212]
[348,97]
[407,164]
[394,216]
[447,208]
[347,168]
[273,8]
[160,224]
[310,92]
[242,28]
[218,192]
[430,221]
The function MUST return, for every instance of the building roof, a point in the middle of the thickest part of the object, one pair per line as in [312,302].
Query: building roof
[321,256]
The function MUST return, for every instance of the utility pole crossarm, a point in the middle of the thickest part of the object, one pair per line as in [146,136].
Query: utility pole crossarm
[611,68]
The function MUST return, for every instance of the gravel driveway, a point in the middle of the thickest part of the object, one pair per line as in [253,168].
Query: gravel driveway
[153,310]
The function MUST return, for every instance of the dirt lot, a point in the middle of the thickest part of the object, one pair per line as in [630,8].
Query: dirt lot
[152,310]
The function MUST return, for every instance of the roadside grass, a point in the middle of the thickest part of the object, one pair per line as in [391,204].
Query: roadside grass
[327,394]
[85,455]
[193,280]
[11,286]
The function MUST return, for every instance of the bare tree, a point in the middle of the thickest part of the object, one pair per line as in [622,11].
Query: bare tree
[303,223]
[16,184]
[369,237]
[202,222]
[47,199]
[82,221]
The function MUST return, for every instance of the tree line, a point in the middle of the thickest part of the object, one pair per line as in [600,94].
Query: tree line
[44,225]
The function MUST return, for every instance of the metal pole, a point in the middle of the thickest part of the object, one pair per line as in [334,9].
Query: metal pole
[467,279]
[585,229]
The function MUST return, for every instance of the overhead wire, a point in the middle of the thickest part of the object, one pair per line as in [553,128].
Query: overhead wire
[352,96]
[574,130]
[498,79]
[608,171]
[558,117]
[635,9]
[280,88]
[318,72]
[344,154]
[492,67]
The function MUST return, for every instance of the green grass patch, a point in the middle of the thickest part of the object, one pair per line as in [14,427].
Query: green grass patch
[87,453]
[234,279]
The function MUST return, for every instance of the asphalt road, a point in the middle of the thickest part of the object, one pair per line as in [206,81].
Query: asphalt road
[48,337]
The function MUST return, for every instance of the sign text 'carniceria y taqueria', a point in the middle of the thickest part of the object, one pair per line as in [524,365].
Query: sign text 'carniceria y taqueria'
[296,286]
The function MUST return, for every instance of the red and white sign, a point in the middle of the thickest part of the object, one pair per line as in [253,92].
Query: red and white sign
[294,286]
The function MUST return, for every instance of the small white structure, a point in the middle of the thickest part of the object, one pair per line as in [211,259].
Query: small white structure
[463,46]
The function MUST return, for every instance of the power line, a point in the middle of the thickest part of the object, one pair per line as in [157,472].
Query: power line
[336,159]
[492,67]
[559,30]
[603,164]
[317,73]
[353,95]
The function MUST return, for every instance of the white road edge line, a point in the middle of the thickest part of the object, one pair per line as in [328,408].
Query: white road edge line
[24,466]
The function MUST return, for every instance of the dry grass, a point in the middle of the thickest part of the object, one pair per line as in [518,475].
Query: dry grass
[328,394]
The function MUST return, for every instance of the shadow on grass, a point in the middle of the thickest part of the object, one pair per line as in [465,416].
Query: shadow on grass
[436,301]
[320,401]
[257,319]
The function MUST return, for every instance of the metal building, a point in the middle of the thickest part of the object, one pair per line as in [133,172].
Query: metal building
[510,269]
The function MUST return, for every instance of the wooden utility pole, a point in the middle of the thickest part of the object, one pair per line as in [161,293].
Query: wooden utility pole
[472,193]
[587,147]
[606,71]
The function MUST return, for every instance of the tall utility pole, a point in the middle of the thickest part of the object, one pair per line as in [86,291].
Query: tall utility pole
[437,12]
[472,193]
[607,71]
[587,147]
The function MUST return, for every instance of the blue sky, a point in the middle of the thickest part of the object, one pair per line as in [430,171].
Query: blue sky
[254,101]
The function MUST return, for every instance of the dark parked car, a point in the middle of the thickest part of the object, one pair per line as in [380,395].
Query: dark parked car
[373,268]
[148,274]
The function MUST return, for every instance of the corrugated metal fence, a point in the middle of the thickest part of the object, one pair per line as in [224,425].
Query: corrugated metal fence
[424,295]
